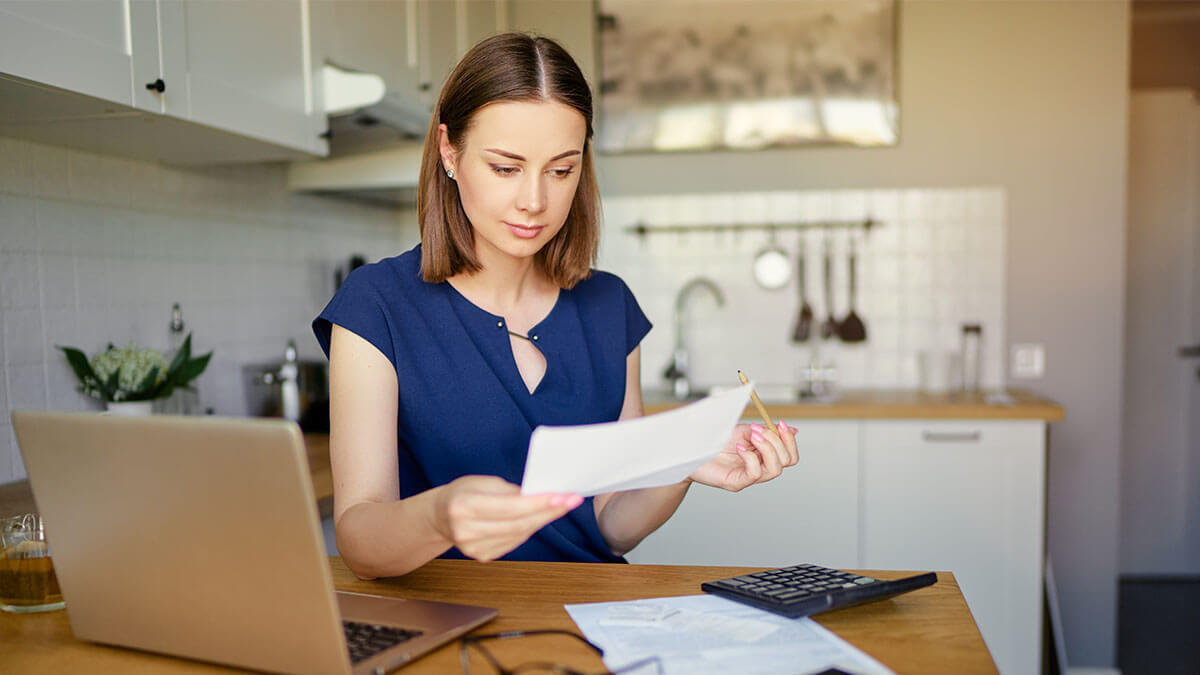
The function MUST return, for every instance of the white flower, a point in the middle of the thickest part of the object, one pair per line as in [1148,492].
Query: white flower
[134,365]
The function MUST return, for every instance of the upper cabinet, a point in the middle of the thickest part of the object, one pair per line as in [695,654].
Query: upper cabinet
[412,44]
[212,81]
[236,67]
[80,45]
[249,69]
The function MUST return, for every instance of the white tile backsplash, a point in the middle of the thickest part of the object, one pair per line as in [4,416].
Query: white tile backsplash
[94,249]
[935,261]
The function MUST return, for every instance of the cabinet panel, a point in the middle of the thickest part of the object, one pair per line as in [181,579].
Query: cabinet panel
[246,69]
[80,45]
[439,46]
[965,497]
[483,18]
[808,514]
[375,37]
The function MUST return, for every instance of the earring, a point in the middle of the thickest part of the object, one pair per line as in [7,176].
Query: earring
[450,174]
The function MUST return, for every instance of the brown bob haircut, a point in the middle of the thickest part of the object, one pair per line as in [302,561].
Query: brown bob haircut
[505,67]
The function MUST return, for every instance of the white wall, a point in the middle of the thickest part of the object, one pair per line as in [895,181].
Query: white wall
[1030,96]
[95,249]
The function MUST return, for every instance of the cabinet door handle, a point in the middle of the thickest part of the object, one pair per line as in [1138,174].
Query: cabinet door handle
[157,85]
[951,437]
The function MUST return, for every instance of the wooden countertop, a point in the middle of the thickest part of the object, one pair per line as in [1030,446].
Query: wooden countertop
[929,631]
[884,404]
[17,497]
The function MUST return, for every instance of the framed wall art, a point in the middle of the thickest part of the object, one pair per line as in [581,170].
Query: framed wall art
[691,75]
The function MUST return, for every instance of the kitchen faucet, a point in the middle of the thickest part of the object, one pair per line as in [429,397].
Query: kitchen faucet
[676,372]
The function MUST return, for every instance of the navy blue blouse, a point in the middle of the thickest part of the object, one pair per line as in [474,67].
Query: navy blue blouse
[463,407]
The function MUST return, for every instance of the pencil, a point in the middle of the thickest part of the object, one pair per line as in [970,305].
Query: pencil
[758,404]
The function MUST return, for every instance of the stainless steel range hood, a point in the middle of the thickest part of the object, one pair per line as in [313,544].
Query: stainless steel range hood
[375,142]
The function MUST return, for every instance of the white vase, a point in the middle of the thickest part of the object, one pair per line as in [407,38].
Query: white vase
[131,408]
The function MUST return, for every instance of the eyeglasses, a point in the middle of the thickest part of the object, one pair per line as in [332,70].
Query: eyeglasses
[647,666]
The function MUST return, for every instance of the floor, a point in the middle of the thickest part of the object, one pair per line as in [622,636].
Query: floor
[1158,626]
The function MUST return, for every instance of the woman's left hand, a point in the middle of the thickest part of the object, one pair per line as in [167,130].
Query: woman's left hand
[752,455]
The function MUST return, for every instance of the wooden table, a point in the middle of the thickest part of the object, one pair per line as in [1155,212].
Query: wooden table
[929,631]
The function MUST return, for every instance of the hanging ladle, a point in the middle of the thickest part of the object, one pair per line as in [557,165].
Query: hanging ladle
[804,319]
[830,327]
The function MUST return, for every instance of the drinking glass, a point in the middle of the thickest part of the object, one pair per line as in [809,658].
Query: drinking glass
[27,579]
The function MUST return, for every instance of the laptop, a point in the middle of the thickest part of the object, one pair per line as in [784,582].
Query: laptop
[198,537]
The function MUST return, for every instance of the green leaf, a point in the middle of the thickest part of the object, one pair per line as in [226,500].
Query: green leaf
[148,385]
[110,388]
[191,370]
[181,357]
[79,363]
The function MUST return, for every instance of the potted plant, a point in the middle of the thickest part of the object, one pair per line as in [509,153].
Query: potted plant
[130,380]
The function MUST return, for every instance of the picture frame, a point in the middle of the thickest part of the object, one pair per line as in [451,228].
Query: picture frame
[704,75]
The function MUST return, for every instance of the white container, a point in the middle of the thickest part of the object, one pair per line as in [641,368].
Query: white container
[939,371]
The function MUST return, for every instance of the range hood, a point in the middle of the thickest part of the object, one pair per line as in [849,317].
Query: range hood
[375,142]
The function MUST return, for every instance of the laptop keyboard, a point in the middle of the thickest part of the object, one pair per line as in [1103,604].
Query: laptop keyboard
[366,639]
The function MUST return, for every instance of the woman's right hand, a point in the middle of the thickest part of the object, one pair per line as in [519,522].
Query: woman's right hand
[485,517]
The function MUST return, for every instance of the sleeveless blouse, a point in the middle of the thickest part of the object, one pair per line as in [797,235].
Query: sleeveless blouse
[463,408]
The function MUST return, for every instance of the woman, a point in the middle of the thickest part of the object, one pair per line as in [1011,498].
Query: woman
[445,358]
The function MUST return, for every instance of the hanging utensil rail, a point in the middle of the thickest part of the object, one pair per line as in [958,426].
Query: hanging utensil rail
[642,229]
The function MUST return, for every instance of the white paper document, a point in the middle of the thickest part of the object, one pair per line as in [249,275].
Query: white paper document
[700,634]
[662,449]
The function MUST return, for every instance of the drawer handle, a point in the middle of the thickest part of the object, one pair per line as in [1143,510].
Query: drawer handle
[951,437]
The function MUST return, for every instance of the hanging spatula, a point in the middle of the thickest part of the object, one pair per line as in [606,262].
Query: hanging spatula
[803,327]
[852,328]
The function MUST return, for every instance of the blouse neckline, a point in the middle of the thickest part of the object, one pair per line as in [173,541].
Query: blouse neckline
[502,321]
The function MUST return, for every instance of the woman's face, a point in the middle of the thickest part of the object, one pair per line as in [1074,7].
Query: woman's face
[517,173]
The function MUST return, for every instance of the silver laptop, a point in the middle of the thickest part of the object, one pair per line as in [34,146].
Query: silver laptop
[199,537]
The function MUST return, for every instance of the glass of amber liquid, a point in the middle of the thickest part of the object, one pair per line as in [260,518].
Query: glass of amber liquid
[27,580]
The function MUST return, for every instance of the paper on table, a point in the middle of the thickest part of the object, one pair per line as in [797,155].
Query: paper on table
[703,634]
[650,451]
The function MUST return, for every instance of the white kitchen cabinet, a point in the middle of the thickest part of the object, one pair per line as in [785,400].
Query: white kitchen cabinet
[412,44]
[248,70]
[376,37]
[808,514]
[80,45]
[453,27]
[239,67]
[965,496]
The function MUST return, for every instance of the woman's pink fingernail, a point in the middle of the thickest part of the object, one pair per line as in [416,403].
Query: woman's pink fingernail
[740,447]
[756,428]
[574,501]
[756,435]
[556,500]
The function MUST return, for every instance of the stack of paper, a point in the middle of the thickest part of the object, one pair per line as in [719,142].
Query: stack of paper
[699,634]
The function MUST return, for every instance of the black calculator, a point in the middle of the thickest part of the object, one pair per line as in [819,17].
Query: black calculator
[802,590]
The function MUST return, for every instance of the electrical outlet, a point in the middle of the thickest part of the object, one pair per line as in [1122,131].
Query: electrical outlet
[1028,361]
